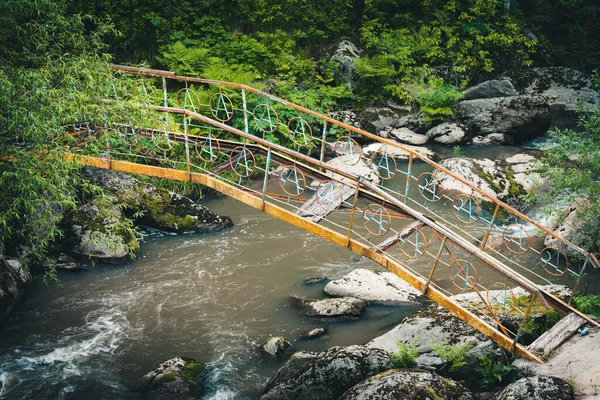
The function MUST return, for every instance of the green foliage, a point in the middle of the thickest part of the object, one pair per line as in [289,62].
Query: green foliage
[52,72]
[588,304]
[437,103]
[452,356]
[406,355]
[572,167]
[492,373]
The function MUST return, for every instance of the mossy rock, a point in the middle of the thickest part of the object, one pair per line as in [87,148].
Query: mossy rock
[177,376]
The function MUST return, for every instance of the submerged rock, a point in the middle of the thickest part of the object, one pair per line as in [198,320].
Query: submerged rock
[276,348]
[378,288]
[313,333]
[537,388]
[328,375]
[403,384]
[314,279]
[173,379]
[342,308]
[14,282]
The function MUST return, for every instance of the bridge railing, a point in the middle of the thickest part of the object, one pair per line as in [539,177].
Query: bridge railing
[478,216]
[401,218]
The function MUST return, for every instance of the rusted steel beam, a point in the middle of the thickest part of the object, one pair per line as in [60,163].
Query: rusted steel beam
[172,75]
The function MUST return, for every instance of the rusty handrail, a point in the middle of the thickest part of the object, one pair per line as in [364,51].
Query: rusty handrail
[173,75]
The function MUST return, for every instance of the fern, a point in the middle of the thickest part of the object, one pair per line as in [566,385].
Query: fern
[406,355]
[452,356]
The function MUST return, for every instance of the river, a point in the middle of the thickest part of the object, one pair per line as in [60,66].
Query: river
[214,298]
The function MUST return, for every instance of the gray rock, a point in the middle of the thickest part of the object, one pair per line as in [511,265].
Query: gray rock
[276,348]
[521,117]
[14,282]
[362,168]
[571,227]
[448,133]
[488,175]
[313,333]
[398,153]
[345,53]
[405,135]
[405,384]
[537,388]
[378,288]
[314,279]
[493,139]
[329,375]
[98,234]
[375,119]
[494,88]
[435,326]
[348,117]
[415,122]
[563,87]
[329,308]
[298,363]
[156,207]
[173,379]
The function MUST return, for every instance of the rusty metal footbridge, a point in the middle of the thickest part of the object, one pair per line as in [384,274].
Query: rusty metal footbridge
[374,196]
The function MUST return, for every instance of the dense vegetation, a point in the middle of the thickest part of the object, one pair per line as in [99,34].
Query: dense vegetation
[55,55]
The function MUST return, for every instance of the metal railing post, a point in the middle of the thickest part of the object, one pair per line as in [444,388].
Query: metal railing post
[245,107]
[353,213]
[435,263]
[408,172]
[165,97]
[487,234]
[323,137]
[187,146]
[266,178]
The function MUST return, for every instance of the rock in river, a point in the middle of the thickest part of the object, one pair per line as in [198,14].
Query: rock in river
[342,308]
[537,388]
[14,282]
[378,288]
[397,384]
[173,379]
[328,375]
[276,348]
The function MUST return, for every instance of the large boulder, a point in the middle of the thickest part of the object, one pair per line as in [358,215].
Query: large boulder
[156,207]
[346,53]
[99,232]
[522,117]
[383,288]
[14,282]
[345,308]
[432,327]
[375,119]
[493,88]
[173,379]
[405,135]
[403,384]
[297,363]
[415,122]
[563,87]
[328,375]
[448,133]
[492,177]
[537,388]
[276,348]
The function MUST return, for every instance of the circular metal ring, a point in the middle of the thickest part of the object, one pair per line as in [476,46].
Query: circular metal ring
[295,132]
[379,217]
[161,137]
[267,110]
[329,195]
[466,273]
[516,240]
[294,179]
[466,205]
[504,296]
[353,150]
[429,186]
[383,164]
[207,147]
[244,160]
[546,257]
[187,97]
[223,106]
[419,244]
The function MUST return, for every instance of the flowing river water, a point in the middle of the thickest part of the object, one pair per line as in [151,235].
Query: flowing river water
[214,298]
